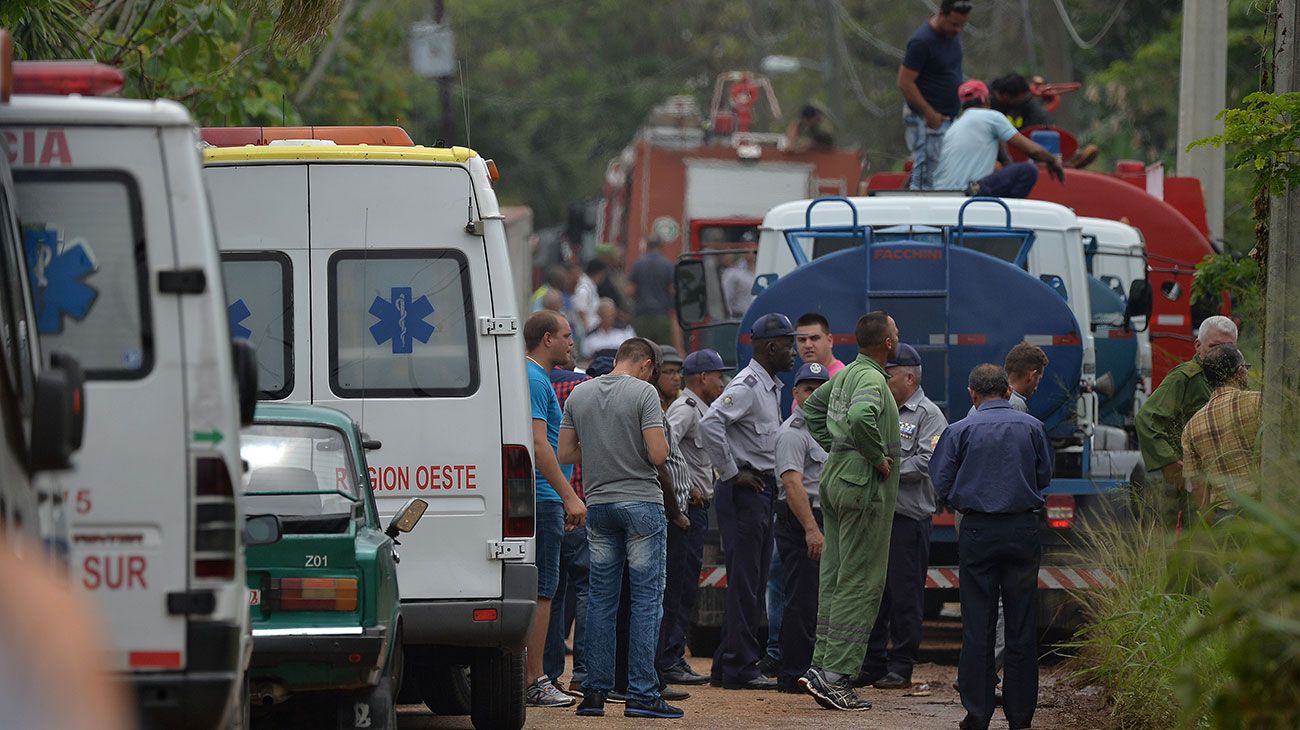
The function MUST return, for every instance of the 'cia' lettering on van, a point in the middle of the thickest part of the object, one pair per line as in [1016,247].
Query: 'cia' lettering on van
[43,147]
[58,271]
[401,320]
[403,478]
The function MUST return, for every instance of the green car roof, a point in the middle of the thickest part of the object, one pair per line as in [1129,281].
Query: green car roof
[291,413]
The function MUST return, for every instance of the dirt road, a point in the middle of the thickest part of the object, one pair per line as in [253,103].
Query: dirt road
[1061,705]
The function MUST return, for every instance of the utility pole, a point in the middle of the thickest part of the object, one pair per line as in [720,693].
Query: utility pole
[1281,433]
[1202,93]
[833,73]
[445,128]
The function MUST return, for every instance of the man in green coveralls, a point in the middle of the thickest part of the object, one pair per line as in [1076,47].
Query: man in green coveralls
[1161,420]
[854,417]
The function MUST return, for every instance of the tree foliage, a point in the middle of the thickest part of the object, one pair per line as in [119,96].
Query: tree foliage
[1264,130]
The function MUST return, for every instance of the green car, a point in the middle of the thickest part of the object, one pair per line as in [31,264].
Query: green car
[323,600]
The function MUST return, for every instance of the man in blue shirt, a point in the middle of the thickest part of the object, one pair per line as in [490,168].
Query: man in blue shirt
[928,78]
[992,467]
[970,151]
[548,339]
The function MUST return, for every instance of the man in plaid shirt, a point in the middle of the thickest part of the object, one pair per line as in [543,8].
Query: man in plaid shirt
[1220,442]
[570,603]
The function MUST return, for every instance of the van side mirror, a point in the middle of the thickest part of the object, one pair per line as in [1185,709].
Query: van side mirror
[1139,299]
[406,517]
[262,530]
[245,360]
[372,444]
[692,292]
[58,417]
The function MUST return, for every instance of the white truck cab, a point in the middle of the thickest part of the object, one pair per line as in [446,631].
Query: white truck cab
[1116,255]
[123,267]
[374,279]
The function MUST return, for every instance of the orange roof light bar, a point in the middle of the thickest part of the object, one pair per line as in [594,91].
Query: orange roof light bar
[60,78]
[239,136]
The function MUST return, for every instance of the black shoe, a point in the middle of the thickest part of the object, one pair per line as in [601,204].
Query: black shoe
[759,682]
[616,698]
[684,675]
[893,680]
[593,704]
[866,680]
[768,666]
[655,709]
[675,695]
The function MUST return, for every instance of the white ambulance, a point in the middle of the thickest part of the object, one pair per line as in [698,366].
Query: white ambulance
[374,278]
[125,278]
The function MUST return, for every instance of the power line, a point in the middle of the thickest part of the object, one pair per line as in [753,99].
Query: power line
[855,82]
[1074,34]
[864,34]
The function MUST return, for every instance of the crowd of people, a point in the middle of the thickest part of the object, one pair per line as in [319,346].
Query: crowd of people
[833,498]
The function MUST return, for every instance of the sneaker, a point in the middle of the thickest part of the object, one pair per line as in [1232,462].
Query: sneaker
[837,695]
[767,666]
[544,694]
[617,698]
[893,680]
[674,695]
[593,705]
[682,674]
[656,709]
[815,683]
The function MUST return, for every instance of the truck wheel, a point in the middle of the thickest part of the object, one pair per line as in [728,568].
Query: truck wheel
[703,640]
[444,689]
[373,708]
[497,690]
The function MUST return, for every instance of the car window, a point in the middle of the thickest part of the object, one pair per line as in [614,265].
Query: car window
[401,324]
[86,264]
[259,302]
[298,470]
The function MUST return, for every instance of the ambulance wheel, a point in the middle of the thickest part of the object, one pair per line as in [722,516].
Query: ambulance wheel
[373,708]
[497,690]
[444,688]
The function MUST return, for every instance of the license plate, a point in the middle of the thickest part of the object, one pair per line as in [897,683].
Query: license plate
[254,597]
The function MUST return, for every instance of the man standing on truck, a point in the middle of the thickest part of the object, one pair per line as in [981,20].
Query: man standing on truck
[702,371]
[799,460]
[928,78]
[993,467]
[854,417]
[548,338]
[740,432]
[614,427]
[1160,422]
[896,638]
[970,151]
[812,334]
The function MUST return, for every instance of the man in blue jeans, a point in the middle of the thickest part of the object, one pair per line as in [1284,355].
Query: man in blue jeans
[548,340]
[928,78]
[614,426]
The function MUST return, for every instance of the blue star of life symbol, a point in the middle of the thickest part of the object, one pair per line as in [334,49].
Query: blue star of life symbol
[401,320]
[57,275]
[238,312]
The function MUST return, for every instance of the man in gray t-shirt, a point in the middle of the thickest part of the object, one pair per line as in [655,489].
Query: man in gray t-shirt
[614,426]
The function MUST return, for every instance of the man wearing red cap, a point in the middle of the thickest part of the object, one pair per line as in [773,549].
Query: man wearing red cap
[970,151]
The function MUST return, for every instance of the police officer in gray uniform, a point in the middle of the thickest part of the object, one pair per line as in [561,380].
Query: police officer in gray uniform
[799,539]
[896,637]
[740,430]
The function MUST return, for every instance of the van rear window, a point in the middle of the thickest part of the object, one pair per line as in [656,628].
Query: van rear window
[86,262]
[259,301]
[401,324]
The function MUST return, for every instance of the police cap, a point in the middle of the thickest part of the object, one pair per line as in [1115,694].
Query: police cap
[812,371]
[704,361]
[907,357]
[670,355]
[771,325]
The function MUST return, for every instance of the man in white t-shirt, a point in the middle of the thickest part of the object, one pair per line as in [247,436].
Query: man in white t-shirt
[970,151]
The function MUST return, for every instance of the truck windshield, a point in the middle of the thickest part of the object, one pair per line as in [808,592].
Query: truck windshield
[298,470]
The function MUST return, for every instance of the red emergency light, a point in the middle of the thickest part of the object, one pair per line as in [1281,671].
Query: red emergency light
[242,136]
[60,78]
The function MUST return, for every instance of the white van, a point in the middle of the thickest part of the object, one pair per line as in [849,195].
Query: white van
[1116,255]
[375,279]
[125,278]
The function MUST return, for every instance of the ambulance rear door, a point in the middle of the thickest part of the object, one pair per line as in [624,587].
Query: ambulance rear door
[399,284]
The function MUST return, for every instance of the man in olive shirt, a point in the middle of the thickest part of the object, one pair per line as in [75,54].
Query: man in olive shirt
[855,418]
[1162,418]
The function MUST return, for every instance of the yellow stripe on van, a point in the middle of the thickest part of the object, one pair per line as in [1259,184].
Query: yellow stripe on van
[308,153]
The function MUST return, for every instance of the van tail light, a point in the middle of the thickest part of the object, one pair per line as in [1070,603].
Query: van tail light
[60,78]
[1060,511]
[314,594]
[216,523]
[517,495]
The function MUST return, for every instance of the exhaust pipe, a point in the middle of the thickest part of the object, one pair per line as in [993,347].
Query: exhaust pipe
[270,693]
